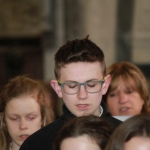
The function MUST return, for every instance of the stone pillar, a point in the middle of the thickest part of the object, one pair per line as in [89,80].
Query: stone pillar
[94,18]
[141,32]
[100,24]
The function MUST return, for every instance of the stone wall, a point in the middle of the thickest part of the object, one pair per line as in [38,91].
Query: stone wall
[23,18]
[141,33]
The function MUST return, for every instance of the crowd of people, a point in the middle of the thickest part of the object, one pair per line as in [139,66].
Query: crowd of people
[92,95]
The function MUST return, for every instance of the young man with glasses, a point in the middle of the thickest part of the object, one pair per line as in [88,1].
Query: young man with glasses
[81,83]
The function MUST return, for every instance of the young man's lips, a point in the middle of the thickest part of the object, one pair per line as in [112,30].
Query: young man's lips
[82,106]
[23,137]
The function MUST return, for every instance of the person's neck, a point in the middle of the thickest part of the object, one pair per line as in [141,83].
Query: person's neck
[14,146]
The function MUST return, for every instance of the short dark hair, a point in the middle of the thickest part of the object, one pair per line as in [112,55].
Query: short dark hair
[78,50]
[95,127]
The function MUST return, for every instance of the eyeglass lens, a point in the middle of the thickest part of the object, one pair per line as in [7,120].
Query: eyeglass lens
[74,87]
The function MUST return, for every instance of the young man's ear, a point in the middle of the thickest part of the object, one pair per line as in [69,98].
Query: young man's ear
[56,87]
[106,84]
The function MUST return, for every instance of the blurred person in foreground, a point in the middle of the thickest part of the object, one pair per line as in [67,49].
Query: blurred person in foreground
[84,133]
[133,134]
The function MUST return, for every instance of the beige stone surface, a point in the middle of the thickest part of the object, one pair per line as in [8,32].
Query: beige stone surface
[100,24]
[21,18]
[141,32]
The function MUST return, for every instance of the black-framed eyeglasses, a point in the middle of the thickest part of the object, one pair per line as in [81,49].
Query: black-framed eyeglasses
[72,87]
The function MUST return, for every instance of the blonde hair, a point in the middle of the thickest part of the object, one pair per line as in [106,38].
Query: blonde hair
[133,76]
[18,87]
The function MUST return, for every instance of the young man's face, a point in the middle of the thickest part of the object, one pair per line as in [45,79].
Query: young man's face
[82,103]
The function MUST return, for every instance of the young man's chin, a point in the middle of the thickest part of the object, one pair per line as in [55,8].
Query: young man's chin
[82,114]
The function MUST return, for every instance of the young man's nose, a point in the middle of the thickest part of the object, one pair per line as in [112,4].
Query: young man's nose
[23,124]
[123,98]
[82,94]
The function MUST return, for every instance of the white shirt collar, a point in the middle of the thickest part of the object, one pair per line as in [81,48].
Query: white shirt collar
[10,146]
[101,110]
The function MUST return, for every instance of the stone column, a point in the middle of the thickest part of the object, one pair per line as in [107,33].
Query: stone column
[141,32]
[100,24]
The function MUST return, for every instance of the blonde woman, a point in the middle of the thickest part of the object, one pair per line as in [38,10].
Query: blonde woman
[128,93]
